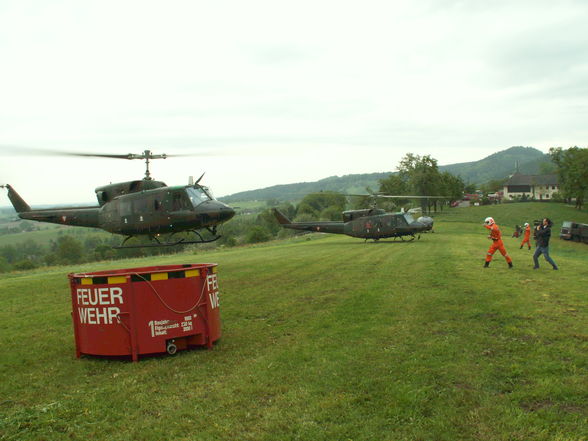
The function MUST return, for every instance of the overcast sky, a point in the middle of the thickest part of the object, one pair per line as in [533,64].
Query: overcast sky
[275,92]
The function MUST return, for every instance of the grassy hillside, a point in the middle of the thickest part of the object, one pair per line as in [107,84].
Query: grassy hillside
[45,235]
[327,338]
[510,214]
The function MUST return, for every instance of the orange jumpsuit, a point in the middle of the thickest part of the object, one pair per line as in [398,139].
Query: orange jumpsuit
[527,237]
[497,244]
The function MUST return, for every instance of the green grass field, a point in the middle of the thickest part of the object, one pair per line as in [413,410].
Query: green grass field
[327,338]
[44,236]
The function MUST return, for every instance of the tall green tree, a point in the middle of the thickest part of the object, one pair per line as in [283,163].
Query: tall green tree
[421,174]
[315,205]
[572,170]
[452,186]
[395,185]
[68,250]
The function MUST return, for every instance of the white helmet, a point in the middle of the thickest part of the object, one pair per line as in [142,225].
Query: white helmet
[526,224]
[489,221]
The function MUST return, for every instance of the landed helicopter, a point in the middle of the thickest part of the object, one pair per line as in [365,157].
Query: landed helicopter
[372,223]
[139,208]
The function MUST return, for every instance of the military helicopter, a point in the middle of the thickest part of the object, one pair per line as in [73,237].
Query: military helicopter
[139,208]
[372,223]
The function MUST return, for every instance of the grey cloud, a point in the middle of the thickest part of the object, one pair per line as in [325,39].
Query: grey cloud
[552,52]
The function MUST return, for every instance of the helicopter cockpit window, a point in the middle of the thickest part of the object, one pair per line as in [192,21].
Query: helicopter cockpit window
[207,191]
[197,195]
[409,219]
[179,201]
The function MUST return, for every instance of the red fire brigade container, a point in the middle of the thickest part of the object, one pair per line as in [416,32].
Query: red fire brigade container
[137,311]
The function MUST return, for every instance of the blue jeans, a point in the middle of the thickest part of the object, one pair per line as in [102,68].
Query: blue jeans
[545,252]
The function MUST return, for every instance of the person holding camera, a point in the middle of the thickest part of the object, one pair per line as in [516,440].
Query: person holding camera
[543,234]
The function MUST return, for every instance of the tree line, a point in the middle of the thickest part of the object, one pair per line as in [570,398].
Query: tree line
[572,171]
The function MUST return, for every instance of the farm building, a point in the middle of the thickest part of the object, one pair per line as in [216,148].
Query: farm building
[539,187]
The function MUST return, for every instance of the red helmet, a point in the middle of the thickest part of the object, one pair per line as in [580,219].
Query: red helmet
[489,221]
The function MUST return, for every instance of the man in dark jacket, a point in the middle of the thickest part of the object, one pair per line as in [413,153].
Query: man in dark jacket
[543,234]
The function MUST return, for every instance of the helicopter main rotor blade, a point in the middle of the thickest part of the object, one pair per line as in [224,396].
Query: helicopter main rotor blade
[400,196]
[12,150]
[198,180]
[409,196]
[100,155]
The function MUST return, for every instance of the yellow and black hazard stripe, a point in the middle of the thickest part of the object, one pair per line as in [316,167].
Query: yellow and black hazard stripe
[143,277]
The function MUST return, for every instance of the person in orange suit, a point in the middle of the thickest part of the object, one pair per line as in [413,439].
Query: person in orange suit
[527,236]
[497,243]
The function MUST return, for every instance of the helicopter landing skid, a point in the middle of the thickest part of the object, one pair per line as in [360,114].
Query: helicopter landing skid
[183,241]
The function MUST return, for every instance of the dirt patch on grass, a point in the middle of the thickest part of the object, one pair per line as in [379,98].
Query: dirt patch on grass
[534,406]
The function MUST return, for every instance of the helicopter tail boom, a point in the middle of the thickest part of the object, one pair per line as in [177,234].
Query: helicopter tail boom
[17,202]
[324,227]
[79,216]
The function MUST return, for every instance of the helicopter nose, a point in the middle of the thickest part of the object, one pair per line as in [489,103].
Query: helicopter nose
[226,212]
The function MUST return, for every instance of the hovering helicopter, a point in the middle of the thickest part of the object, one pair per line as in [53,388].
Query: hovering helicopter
[139,208]
[372,223]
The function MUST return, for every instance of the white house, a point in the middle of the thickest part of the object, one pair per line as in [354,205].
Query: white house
[538,187]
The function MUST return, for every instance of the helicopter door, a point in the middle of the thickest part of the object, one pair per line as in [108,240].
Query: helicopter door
[126,215]
[156,215]
[135,214]
[391,222]
[141,213]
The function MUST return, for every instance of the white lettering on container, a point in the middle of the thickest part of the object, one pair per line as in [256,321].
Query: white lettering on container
[95,305]
[212,285]
[160,327]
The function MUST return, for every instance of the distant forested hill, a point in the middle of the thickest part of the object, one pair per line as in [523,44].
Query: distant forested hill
[356,183]
[497,166]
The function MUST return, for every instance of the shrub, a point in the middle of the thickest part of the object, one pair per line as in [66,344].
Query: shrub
[25,264]
[257,234]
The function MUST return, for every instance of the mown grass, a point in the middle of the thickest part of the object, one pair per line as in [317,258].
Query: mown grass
[329,338]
